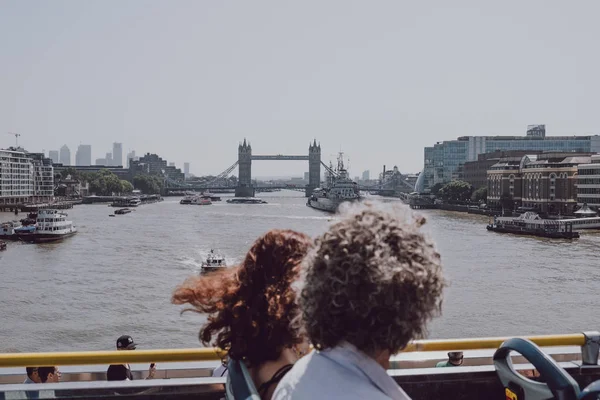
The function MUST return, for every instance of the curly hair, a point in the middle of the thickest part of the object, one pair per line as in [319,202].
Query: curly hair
[372,280]
[251,306]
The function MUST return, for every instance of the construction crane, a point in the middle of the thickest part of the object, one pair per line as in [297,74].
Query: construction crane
[16,135]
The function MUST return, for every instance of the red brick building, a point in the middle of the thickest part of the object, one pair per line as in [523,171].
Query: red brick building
[546,182]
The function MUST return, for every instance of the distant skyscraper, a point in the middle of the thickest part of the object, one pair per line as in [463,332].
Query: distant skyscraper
[171,164]
[306,176]
[186,169]
[109,159]
[366,175]
[117,154]
[53,155]
[83,156]
[65,155]
[101,161]
[130,156]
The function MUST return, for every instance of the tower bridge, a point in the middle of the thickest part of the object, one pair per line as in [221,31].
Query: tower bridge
[245,158]
[245,187]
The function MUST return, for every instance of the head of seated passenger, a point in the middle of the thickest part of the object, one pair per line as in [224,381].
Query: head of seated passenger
[371,283]
[250,307]
[49,374]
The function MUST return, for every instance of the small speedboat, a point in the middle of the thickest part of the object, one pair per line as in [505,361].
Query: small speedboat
[122,211]
[213,262]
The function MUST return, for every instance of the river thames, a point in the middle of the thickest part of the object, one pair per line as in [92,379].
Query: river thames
[117,274]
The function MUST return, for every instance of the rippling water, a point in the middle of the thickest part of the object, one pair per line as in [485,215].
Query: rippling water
[117,274]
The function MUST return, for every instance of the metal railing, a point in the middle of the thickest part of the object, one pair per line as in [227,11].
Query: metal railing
[588,341]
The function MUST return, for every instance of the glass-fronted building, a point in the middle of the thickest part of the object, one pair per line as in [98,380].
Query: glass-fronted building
[25,177]
[442,160]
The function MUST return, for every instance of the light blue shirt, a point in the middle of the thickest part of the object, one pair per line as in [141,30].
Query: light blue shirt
[31,395]
[339,373]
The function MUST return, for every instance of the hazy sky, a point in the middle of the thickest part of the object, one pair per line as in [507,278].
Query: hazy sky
[377,79]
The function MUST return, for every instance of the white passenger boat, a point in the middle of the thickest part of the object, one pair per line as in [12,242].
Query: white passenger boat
[214,262]
[51,225]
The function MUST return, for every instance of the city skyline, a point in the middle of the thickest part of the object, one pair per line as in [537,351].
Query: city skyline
[380,82]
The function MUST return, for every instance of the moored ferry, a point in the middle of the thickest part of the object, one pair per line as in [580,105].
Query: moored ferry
[208,195]
[127,202]
[531,224]
[51,225]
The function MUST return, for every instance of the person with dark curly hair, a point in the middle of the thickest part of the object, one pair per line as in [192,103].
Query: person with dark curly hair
[251,307]
[372,282]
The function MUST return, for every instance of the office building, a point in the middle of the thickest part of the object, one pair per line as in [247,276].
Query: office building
[109,159]
[53,154]
[442,160]
[306,176]
[100,161]
[366,175]
[152,164]
[83,156]
[186,169]
[16,177]
[117,155]
[475,172]
[43,178]
[65,155]
[130,156]
[588,183]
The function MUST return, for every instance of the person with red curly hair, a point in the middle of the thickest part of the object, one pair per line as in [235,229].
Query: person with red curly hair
[251,307]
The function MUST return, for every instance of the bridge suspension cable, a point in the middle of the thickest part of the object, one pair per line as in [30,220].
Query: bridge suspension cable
[182,185]
[223,174]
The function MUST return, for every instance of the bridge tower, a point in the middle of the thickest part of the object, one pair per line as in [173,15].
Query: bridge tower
[244,188]
[314,167]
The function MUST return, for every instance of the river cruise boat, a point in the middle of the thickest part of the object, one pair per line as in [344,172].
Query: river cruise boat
[531,224]
[246,200]
[213,262]
[51,225]
[210,196]
[341,189]
[126,202]
[187,199]
[200,201]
